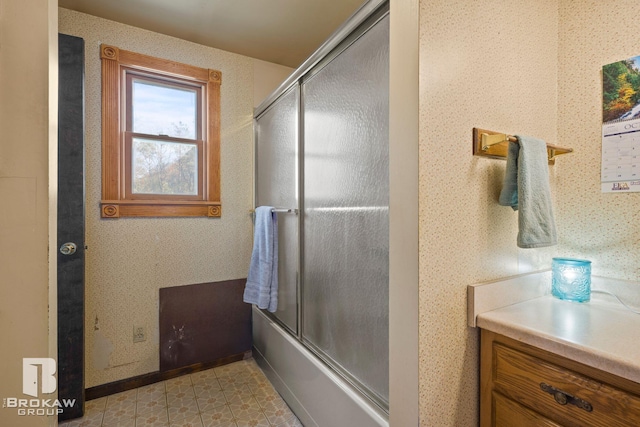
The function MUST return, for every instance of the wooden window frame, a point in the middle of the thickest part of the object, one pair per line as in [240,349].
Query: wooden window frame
[117,199]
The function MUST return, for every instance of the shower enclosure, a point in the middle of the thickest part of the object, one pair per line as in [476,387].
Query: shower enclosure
[322,149]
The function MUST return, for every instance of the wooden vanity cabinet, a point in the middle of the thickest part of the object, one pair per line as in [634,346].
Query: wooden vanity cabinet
[524,386]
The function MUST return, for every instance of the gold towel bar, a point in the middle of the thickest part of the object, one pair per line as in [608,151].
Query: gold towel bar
[488,143]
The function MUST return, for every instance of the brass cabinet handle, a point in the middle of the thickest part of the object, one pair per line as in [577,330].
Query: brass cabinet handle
[564,398]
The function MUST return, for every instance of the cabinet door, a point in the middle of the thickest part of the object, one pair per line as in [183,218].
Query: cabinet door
[562,394]
[548,387]
[510,414]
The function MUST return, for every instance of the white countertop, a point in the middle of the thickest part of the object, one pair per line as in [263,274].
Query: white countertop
[599,333]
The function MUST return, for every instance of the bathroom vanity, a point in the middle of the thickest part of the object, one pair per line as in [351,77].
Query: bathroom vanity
[522,385]
[548,362]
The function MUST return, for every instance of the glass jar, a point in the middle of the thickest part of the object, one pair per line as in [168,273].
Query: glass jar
[571,279]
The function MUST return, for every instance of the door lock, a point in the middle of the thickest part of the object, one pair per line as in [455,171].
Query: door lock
[68,248]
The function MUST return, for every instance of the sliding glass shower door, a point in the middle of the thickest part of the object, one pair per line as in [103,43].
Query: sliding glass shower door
[277,186]
[323,147]
[346,198]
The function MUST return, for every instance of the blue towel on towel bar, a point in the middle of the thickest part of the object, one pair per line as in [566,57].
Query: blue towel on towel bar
[262,281]
[526,189]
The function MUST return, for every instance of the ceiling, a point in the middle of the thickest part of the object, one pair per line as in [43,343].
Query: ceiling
[284,32]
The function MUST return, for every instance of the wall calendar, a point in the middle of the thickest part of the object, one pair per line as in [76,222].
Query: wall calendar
[620,171]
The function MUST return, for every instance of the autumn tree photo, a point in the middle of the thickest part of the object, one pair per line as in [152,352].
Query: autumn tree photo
[620,90]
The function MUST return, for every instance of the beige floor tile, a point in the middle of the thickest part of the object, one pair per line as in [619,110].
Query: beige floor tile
[95,405]
[144,406]
[266,400]
[121,423]
[120,398]
[256,379]
[206,389]
[122,413]
[184,380]
[191,421]
[154,424]
[237,389]
[89,420]
[261,386]
[213,401]
[231,382]
[151,390]
[228,370]
[293,422]
[278,414]
[180,399]
[257,390]
[234,395]
[180,392]
[249,376]
[237,393]
[250,363]
[219,417]
[257,372]
[200,376]
[253,420]
[206,384]
[245,407]
[184,410]
[153,417]
[146,397]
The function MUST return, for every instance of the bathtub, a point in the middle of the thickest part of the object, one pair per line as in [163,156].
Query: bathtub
[317,395]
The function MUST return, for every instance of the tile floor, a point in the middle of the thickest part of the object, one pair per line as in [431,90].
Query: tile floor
[234,395]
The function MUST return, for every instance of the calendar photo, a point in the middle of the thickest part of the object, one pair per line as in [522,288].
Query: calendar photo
[620,171]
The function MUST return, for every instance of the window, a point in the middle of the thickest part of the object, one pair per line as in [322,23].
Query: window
[160,137]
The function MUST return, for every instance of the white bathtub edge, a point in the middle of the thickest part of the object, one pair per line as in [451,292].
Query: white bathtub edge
[316,394]
[296,406]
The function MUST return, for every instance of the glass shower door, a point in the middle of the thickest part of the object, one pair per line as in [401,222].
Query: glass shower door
[346,197]
[277,186]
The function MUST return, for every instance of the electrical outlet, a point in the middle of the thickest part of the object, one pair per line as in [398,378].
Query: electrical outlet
[139,334]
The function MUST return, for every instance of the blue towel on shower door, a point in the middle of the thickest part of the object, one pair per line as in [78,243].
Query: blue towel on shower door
[262,281]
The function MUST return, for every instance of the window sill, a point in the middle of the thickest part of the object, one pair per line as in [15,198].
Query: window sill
[155,208]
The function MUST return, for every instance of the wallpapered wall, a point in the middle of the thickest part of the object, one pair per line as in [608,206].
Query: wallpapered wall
[529,67]
[492,65]
[129,259]
[604,228]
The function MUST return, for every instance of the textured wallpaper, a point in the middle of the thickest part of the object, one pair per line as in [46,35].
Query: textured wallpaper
[604,228]
[529,67]
[493,65]
[129,259]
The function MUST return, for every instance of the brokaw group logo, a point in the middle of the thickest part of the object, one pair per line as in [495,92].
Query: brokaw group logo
[38,375]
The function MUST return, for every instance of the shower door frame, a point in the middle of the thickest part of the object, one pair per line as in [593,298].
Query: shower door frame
[369,14]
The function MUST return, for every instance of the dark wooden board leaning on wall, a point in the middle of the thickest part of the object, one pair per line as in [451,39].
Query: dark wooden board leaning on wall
[202,323]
